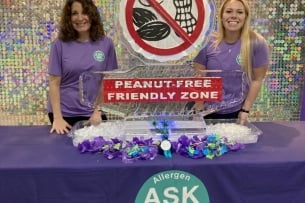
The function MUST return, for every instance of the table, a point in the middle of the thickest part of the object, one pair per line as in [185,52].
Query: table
[39,167]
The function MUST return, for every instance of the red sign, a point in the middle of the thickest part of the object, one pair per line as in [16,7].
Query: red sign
[162,89]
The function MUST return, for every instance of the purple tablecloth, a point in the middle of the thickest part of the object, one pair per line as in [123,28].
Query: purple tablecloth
[39,167]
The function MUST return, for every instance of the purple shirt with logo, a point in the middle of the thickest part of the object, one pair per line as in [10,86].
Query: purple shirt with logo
[227,57]
[70,60]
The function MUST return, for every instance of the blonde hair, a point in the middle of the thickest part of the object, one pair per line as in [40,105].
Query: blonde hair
[246,37]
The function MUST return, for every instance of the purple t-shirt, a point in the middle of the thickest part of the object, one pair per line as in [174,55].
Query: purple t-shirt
[70,60]
[227,57]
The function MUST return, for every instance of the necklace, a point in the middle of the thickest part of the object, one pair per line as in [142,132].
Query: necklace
[230,46]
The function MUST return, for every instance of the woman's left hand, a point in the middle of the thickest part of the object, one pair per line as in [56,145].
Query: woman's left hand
[243,118]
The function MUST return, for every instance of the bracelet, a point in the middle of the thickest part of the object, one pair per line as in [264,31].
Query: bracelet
[244,110]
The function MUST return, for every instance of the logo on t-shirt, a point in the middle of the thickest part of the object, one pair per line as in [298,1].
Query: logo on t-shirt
[238,59]
[99,56]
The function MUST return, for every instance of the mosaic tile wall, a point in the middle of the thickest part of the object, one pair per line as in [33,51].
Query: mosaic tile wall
[28,26]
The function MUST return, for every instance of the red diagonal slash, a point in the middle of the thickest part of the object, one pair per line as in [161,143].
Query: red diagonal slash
[187,40]
[170,20]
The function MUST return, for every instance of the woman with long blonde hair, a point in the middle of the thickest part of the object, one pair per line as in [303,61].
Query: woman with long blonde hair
[235,47]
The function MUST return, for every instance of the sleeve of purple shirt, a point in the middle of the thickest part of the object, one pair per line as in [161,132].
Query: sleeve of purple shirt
[260,55]
[54,67]
[201,56]
[112,63]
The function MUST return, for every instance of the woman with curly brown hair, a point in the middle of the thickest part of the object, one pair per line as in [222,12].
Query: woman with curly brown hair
[81,46]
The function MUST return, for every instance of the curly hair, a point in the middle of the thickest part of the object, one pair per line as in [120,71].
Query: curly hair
[68,33]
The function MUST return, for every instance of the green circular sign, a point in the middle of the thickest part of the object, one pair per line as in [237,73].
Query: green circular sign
[173,187]
[99,56]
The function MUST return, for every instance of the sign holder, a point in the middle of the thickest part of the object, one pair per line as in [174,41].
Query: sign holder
[138,115]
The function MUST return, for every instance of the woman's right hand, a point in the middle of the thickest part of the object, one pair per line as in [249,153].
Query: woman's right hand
[60,126]
[198,106]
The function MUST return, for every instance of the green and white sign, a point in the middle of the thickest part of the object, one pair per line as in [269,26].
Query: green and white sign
[173,187]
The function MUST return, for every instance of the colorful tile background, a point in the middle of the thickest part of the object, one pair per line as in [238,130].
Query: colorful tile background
[28,26]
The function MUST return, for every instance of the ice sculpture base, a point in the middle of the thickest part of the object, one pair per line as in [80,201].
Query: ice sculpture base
[146,129]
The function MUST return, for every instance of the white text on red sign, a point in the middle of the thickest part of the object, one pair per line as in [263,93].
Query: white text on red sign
[162,89]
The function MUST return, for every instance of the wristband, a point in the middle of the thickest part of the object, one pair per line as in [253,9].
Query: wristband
[244,110]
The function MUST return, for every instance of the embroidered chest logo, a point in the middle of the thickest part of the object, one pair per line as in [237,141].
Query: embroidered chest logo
[238,59]
[99,56]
